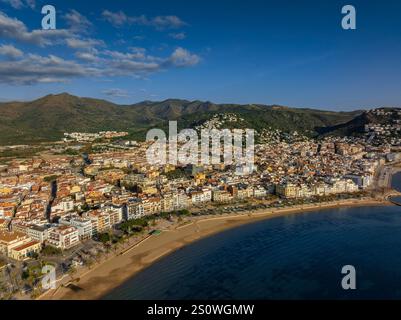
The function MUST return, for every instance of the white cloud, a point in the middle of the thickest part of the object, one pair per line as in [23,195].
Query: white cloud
[178,36]
[16,4]
[31,3]
[77,22]
[119,19]
[10,51]
[90,57]
[140,64]
[19,4]
[38,69]
[12,28]
[31,68]
[183,58]
[167,22]
[135,53]
[139,37]
[131,68]
[87,56]
[116,93]
[84,44]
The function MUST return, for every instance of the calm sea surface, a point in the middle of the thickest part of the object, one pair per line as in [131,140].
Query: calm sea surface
[293,257]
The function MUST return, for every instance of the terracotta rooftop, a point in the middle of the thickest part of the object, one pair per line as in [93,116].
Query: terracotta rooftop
[26,245]
[9,236]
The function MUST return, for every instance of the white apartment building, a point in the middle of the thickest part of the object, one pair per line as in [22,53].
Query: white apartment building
[84,226]
[63,237]
[259,192]
[205,195]
[135,209]
[100,221]
[65,205]
[182,201]
[362,181]
[37,233]
[115,213]
[222,196]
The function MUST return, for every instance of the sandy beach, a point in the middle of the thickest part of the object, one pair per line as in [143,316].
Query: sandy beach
[109,274]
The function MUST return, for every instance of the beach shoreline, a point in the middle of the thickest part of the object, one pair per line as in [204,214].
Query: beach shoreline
[103,278]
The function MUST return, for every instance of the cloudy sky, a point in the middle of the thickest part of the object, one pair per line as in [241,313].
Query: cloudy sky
[285,52]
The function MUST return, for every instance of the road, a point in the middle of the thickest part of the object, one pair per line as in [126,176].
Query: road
[384,178]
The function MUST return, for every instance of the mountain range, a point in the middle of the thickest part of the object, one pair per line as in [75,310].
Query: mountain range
[47,118]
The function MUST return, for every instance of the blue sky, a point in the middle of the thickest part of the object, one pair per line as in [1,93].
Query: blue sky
[274,52]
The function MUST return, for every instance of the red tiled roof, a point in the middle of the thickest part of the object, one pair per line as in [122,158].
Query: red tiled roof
[26,245]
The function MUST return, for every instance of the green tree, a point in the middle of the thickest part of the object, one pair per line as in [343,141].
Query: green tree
[51,251]
[104,237]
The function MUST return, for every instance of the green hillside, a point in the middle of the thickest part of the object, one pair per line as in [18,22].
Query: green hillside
[47,118]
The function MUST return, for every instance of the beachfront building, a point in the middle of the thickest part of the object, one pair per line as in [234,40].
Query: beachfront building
[182,201]
[63,237]
[204,195]
[17,245]
[115,213]
[334,186]
[135,209]
[174,201]
[37,233]
[100,221]
[25,251]
[341,186]
[84,226]
[240,192]
[222,196]
[363,181]
[287,190]
[168,202]
[259,192]
[11,239]
[152,205]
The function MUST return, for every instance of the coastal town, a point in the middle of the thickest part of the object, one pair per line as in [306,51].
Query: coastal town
[69,210]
